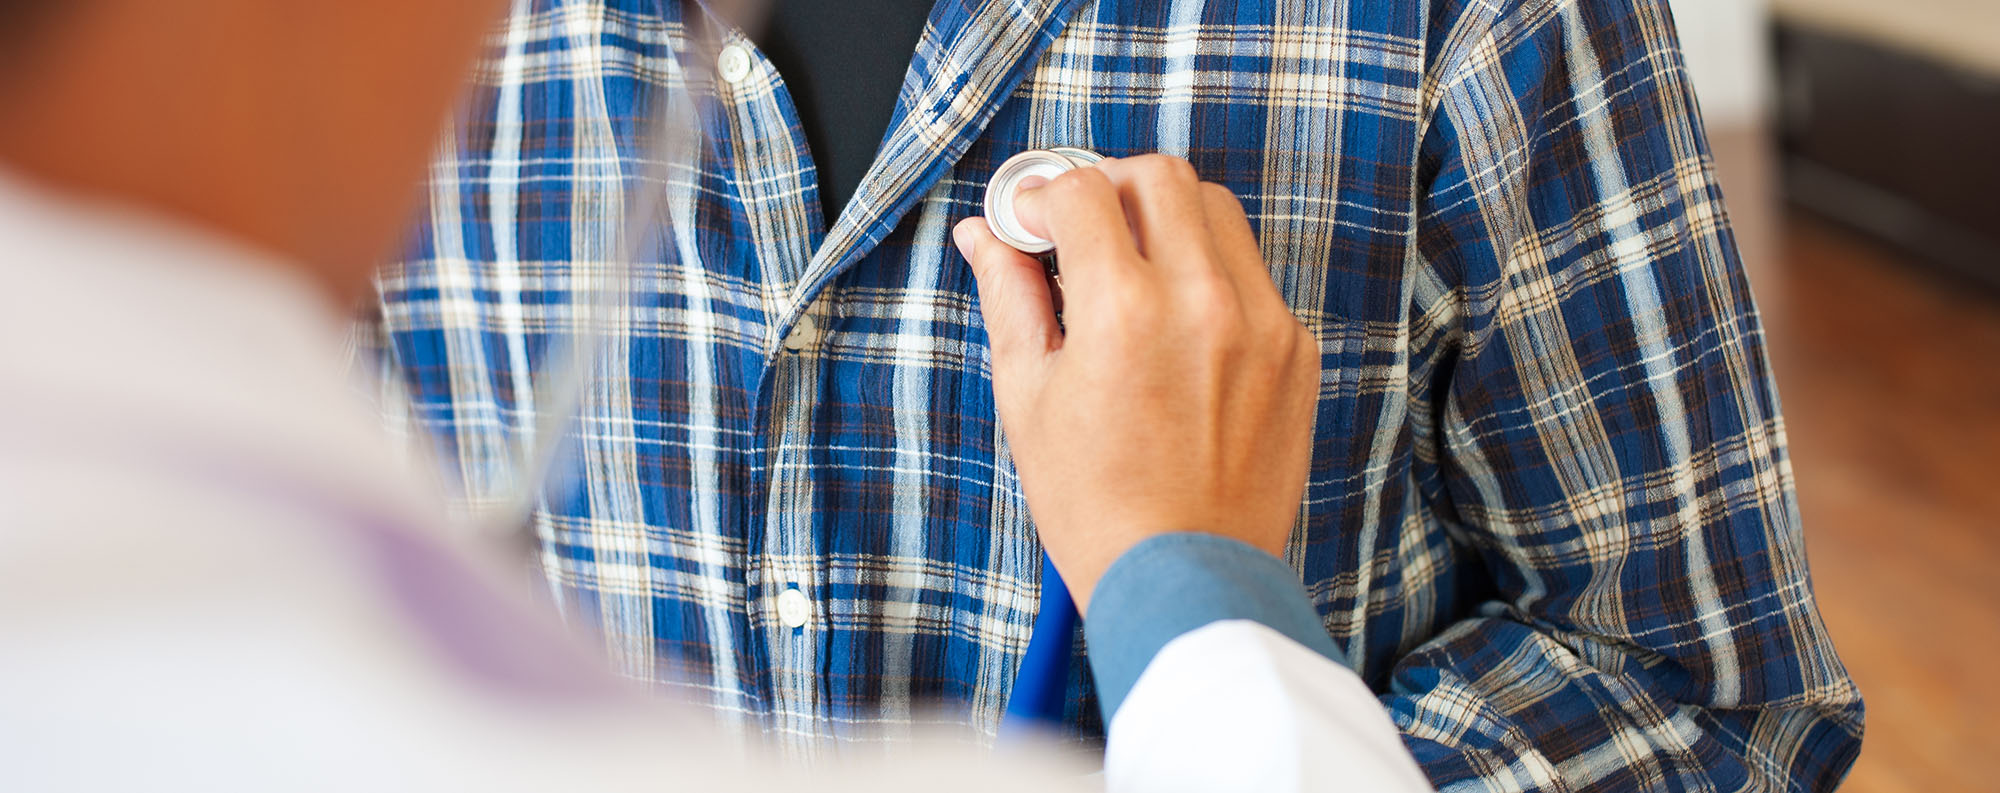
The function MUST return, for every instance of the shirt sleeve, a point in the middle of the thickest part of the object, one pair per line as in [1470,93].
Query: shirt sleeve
[1598,427]
[1216,674]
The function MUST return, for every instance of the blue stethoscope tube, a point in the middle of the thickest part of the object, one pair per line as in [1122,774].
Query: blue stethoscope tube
[1041,686]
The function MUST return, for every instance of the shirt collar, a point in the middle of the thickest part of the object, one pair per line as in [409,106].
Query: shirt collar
[971,58]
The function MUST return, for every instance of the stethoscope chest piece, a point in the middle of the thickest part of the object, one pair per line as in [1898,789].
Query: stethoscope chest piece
[1006,224]
[1006,183]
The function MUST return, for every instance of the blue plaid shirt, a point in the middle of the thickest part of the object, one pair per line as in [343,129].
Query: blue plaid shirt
[1550,517]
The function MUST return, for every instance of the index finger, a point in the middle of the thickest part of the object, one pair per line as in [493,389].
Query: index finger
[1081,213]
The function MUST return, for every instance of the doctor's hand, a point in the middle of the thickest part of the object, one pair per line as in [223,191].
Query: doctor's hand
[1182,397]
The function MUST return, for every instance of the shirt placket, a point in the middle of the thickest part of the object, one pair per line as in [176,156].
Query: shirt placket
[785,574]
[980,58]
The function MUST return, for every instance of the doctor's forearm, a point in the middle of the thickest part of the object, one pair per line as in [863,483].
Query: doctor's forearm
[1215,673]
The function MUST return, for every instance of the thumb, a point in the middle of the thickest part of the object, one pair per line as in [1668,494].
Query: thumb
[1013,297]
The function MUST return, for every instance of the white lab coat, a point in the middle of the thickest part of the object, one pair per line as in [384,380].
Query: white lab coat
[185,602]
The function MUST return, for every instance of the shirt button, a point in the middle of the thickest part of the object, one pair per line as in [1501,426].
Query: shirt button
[802,334]
[793,608]
[734,63]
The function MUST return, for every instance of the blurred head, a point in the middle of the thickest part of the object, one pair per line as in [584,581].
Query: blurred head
[300,127]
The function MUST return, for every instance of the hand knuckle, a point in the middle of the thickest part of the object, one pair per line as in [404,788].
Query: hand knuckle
[1079,185]
[1308,347]
[1278,334]
[1126,304]
[1215,313]
[1178,171]
[1288,322]
[1220,196]
[1160,171]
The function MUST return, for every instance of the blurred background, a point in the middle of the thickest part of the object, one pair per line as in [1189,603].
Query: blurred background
[1856,143]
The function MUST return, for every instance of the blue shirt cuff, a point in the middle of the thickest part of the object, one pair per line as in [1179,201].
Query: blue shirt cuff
[1175,583]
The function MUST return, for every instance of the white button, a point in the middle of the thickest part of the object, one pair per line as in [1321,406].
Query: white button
[793,608]
[802,334]
[734,63]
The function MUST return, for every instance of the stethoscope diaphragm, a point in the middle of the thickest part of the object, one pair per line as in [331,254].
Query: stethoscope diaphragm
[1006,184]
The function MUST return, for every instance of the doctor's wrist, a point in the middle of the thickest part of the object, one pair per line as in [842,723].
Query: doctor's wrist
[1172,584]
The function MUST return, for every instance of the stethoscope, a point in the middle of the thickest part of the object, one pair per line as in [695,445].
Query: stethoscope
[1041,685]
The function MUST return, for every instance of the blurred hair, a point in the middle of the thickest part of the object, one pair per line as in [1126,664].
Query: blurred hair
[20,20]
[17,16]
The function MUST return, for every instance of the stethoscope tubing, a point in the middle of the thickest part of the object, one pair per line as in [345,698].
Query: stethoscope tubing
[1042,684]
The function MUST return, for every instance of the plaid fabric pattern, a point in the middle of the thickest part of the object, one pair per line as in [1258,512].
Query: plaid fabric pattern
[1550,518]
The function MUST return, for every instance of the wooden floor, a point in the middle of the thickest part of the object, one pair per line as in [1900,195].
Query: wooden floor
[1891,385]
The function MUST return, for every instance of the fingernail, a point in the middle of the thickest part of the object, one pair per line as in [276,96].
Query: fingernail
[1030,183]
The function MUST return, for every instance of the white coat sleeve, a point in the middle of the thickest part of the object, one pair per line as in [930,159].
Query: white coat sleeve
[1215,674]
